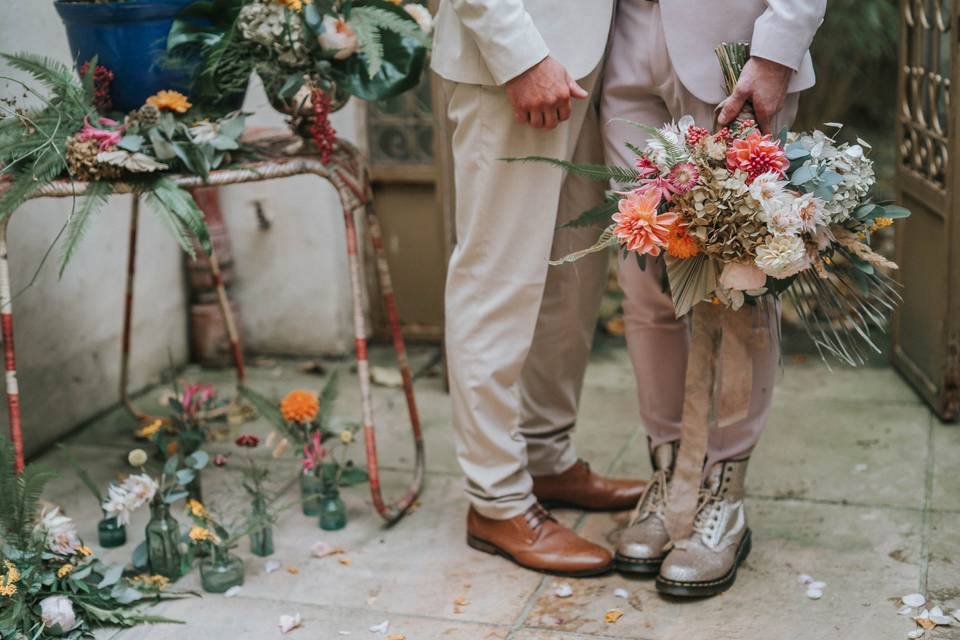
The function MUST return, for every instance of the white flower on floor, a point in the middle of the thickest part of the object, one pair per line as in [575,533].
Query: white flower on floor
[233,591]
[914,600]
[381,628]
[621,593]
[563,591]
[58,531]
[57,614]
[916,633]
[271,565]
[289,623]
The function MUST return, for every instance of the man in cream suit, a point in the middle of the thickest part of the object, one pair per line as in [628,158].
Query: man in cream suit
[521,78]
[661,67]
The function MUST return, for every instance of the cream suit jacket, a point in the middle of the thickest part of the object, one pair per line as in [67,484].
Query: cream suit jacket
[491,41]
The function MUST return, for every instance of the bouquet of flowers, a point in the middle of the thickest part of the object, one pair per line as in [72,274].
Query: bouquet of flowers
[50,582]
[73,135]
[310,54]
[738,215]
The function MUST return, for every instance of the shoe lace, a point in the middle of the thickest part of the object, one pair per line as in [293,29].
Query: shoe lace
[708,513]
[536,515]
[653,500]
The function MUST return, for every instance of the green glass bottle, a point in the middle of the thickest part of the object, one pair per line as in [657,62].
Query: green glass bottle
[163,541]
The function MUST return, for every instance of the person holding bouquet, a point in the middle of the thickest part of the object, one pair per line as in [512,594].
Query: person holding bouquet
[662,67]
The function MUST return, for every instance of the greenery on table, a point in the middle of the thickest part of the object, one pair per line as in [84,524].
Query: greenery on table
[66,137]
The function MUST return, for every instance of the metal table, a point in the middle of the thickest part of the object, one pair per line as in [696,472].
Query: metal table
[347,171]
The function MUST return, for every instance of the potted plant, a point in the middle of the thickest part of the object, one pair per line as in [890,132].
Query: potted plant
[311,54]
[255,477]
[220,570]
[306,419]
[129,38]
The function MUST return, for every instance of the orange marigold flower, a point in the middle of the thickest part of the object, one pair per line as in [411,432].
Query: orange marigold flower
[681,244]
[65,570]
[170,101]
[296,5]
[299,406]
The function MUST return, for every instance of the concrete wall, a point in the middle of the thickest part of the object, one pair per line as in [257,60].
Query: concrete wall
[291,280]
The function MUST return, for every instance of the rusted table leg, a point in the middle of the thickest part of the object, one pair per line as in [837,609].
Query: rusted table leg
[128,312]
[354,199]
[9,353]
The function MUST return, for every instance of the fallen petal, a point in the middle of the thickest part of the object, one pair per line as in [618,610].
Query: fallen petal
[926,623]
[814,594]
[804,579]
[916,633]
[343,633]
[621,593]
[271,565]
[913,600]
[860,468]
[381,628]
[563,591]
[232,591]
[817,585]
[289,623]
[396,636]
[321,549]
[905,610]
[936,611]
[944,621]
[612,615]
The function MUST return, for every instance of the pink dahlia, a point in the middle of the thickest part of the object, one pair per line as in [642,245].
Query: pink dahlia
[757,154]
[684,177]
[638,225]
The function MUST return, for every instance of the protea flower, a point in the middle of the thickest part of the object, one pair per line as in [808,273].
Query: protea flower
[684,177]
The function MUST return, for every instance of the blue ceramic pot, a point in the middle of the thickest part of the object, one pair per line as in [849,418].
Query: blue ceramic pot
[130,39]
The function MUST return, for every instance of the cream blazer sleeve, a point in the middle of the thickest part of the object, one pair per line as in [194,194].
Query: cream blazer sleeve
[784,31]
[505,34]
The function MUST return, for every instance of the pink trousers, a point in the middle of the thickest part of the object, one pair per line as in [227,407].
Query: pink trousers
[641,86]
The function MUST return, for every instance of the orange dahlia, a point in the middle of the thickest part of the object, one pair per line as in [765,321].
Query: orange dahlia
[681,244]
[169,101]
[639,227]
[756,154]
[299,406]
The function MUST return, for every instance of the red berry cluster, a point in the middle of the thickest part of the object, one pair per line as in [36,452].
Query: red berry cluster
[102,79]
[724,135]
[322,132]
[695,135]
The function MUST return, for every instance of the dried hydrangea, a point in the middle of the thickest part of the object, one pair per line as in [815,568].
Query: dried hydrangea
[266,24]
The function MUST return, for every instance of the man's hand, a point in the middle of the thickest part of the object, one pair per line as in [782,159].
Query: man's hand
[541,95]
[764,83]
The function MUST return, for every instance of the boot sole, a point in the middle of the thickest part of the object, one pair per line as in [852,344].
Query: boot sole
[638,566]
[562,504]
[711,587]
[487,547]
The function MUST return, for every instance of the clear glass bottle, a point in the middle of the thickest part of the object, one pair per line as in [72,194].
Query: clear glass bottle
[163,541]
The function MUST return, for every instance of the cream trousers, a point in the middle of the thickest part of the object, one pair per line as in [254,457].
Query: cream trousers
[641,86]
[518,332]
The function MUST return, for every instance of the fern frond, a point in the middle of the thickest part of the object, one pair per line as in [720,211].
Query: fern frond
[8,488]
[598,172]
[597,216]
[676,152]
[30,485]
[95,198]
[177,209]
[55,75]
[370,43]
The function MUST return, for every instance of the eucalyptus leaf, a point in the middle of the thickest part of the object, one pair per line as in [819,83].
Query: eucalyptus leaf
[111,576]
[162,148]
[170,466]
[131,142]
[173,496]
[353,476]
[197,460]
[803,175]
[185,476]
[895,211]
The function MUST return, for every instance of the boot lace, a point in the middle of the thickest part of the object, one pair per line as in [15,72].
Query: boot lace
[708,512]
[653,500]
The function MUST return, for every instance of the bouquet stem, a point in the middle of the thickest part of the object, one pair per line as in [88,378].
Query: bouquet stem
[733,57]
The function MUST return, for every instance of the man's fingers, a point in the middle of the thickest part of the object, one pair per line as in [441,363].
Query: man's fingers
[732,106]
[550,119]
[563,111]
[576,91]
[536,119]
[521,116]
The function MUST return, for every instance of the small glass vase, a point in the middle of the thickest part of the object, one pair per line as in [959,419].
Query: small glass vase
[220,571]
[333,513]
[111,533]
[163,541]
[311,488]
[261,539]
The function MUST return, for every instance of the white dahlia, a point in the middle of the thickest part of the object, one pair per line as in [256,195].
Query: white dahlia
[810,211]
[338,36]
[59,532]
[782,256]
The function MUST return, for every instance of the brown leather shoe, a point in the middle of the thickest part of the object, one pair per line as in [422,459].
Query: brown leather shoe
[535,540]
[581,488]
